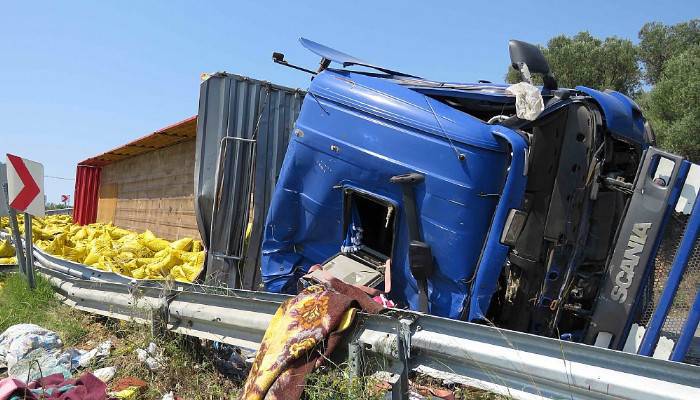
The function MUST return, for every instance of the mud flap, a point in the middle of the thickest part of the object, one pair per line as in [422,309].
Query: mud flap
[635,248]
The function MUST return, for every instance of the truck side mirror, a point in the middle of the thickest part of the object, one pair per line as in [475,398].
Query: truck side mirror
[523,53]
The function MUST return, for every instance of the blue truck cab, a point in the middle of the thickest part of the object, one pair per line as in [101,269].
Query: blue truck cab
[483,215]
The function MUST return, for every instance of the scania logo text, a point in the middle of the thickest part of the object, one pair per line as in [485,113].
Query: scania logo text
[625,275]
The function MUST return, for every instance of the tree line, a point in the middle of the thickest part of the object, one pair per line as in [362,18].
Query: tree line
[661,73]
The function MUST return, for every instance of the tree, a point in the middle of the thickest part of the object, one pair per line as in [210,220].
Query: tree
[588,61]
[658,43]
[673,105]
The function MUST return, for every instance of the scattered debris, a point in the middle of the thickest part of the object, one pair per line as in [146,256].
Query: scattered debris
[37,364]
[54,387]
[128,388]
[84,358]
[105,374]
[130,393]
[151,357]
[19,340]
[231,361]
[129,382]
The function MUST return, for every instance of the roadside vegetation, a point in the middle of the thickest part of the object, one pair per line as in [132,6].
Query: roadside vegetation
[188,368]
[188,371]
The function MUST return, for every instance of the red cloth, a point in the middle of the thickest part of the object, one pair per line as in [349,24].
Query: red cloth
[8,386]
[87,387]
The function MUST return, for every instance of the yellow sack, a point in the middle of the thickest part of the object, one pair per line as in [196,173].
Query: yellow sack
[6,249]
[183,244]
[152,242]
[130,393]
[76,254]
[196,259]
[197,246]
[105,264]
[8,260]
[92,258]
[184,273]
[118,233]
[81,234]
[108,248]
[162,267]
[135,247]
[145,261]
[139,273]
[128,267]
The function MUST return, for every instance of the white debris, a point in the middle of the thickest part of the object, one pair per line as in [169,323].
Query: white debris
[152,349]
[19,340]
[169,396]
[150,357]
[528,100]
[39,362]
[102,350]
[105,374]
[152,364]
[141,354]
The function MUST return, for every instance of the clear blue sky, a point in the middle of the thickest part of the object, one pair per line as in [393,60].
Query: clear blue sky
[79,78]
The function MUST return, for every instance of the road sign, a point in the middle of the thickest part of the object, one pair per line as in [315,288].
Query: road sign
[25,184]
[3,181]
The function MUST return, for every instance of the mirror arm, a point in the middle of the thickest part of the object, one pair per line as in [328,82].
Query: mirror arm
[550,83]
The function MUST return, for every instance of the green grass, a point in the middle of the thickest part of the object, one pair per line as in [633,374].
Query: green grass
[337,383]
[20,305]
[187,371]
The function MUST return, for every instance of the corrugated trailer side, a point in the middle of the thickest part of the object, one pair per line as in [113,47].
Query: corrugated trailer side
[243,129]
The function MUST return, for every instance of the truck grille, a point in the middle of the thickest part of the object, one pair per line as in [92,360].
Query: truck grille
[689,285]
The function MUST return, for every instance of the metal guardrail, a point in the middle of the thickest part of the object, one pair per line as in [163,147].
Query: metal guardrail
[60,211]
[7,268]
[514,364]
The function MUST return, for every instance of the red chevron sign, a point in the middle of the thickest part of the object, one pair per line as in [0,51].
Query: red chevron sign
[25,185]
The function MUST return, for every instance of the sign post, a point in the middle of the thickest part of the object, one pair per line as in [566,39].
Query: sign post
[4,204]
[29,249]
[12,216]
[25,186]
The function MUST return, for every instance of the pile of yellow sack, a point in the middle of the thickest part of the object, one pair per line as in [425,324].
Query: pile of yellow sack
[7,253]
[109,248]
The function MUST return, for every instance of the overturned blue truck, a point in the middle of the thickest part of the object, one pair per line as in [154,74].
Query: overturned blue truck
[448,198]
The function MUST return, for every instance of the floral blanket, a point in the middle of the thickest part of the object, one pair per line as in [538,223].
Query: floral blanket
[303,331]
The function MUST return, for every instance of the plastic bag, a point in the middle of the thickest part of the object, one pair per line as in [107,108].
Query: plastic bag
[528,100]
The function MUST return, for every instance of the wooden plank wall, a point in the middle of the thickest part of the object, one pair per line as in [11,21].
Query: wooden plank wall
[154,191]
[107,202]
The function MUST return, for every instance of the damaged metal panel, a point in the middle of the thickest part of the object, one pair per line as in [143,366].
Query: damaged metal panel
[274,132]
[240,120]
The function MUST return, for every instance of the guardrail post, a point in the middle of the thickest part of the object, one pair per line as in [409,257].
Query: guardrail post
[400,387]
[680,262]
[355,358]
[159,316]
